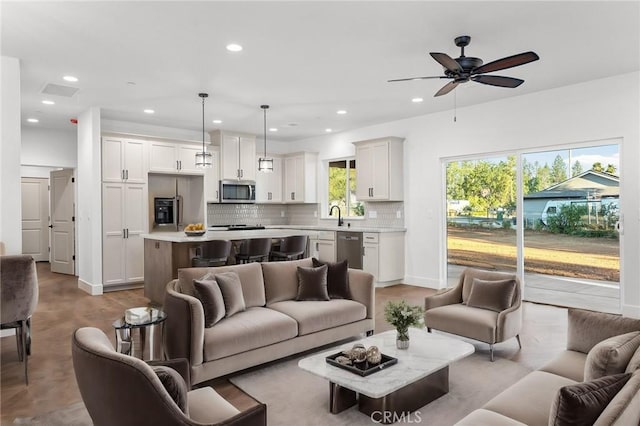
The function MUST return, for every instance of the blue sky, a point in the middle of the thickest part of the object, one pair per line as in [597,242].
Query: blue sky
[605,154]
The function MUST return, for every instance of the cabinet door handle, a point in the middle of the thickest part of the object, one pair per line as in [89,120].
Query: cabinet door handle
[293,196]
[177,165]
[127,174]
[217,196]
[180,164]
[241,173]
[157,245]
[123,234]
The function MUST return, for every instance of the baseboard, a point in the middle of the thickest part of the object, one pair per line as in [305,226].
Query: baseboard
[422,282]
[92,289]
[388,283]
[631,311]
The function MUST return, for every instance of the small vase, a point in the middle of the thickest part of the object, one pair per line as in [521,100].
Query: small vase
[402,340]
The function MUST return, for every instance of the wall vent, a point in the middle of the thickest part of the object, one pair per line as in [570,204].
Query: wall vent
[59,90]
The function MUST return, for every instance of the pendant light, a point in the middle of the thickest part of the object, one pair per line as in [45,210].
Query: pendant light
[265,164]
[203,159]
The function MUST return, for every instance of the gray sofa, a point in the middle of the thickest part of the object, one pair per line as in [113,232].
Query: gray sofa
[273,325]
[529,401]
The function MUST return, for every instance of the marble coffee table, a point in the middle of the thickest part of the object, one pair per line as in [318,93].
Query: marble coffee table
[420,376]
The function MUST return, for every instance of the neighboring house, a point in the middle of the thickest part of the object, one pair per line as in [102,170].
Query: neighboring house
[590,185]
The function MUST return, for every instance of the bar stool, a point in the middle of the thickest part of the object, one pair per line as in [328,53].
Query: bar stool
[214,253]
[291,248]
[254,250]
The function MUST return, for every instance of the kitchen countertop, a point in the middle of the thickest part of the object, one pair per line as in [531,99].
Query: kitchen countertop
[337,228]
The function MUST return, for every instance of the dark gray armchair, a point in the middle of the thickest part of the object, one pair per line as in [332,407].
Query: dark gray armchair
[18,298]
[118,389]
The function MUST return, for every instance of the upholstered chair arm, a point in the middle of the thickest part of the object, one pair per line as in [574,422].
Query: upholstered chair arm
[184,327]
[447,296]
[362,289]
[181,365]
[509,322]
[254,416]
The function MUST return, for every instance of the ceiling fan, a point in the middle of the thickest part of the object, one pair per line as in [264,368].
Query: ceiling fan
[468,68]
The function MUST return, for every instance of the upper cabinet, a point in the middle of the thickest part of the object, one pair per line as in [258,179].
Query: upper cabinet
[269,184]
[167,157]
[379,169]
[300,177]
[124,160]
[237,155]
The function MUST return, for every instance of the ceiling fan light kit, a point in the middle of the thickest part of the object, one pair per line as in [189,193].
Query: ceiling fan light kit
[469,68]
[204,158]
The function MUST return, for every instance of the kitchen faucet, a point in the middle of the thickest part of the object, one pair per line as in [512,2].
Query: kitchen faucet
[340,222]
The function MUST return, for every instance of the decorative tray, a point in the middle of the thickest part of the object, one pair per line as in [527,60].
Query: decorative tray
[362,368]
[195,233]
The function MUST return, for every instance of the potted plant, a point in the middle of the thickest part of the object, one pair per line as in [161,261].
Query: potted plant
[402,316]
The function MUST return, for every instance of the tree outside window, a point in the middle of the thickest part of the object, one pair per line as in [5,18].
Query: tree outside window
[342,187]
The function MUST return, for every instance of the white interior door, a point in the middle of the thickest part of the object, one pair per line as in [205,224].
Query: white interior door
[35,218]
[62,222]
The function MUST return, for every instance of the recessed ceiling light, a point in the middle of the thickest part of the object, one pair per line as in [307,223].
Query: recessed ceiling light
[149,111]
[273,129]
[233,47]
[48,102]
[33,120]
[417,100]
[131,83]
[328,130]
[341,112]
[217,121]
[70,78]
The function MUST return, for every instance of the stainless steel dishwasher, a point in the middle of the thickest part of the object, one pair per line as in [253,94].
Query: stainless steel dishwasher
[350,248]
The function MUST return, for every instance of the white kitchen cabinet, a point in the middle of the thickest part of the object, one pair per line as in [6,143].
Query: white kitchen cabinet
[237,155]
[300,178]
[167,157]
[269,184]
[212,178]
[383,256]
[323,246]
[124,160]
[379,169]
[124,220]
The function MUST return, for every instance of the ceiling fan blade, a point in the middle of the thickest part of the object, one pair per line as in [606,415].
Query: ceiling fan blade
[446,88]
[414,78]
[508,62]
[446,61]
[496,80]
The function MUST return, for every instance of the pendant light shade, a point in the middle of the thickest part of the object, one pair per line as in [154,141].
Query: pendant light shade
[204,158]
[265,164]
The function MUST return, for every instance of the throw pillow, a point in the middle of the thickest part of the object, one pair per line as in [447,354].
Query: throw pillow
[582,403]
[174,385]
[312,283]
[210,296]
[337,278]
[634,362]
[231,289]
[493,295]
[611,356]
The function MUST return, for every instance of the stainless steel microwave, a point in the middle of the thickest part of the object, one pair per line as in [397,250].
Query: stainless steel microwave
[237,191]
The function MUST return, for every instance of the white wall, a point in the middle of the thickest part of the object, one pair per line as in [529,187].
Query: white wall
[596,110]
[49,147]
[10,188]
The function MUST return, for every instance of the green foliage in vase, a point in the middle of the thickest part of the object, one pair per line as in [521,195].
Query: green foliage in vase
[402,316]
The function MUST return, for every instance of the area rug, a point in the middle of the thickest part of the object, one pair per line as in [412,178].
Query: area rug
[73,415]
[295,397]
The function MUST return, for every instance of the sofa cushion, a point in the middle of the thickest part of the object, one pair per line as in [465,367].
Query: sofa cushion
[582,403]
[174,384]
[494,295]
[316,316]
[337,278]
[485,417]
[634,362]
[206,406]
[611,356]
[529,400]
[469,274]
[569,364]
[312,283]
[586,329]
[250,329]
[210,296]
[250,276]
[463,320]
[624,409]
[231,289]
[281,279]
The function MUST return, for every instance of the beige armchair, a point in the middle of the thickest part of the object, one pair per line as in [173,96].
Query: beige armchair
[449,311]
[119,389]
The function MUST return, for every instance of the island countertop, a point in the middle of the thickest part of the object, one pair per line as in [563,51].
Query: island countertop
[180,237]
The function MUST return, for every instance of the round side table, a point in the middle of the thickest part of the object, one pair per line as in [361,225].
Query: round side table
[147,321]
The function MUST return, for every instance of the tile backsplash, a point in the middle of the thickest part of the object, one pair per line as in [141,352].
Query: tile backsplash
[377,215]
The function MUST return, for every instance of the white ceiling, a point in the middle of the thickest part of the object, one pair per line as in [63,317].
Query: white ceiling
[305,59]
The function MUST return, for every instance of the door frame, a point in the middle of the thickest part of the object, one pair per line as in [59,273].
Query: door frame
[71,173]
